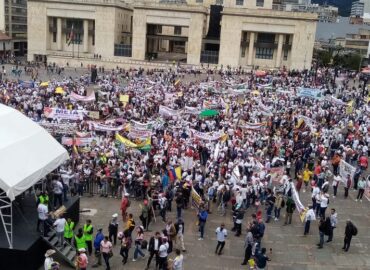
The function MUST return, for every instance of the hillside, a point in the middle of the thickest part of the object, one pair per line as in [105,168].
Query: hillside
[344,6]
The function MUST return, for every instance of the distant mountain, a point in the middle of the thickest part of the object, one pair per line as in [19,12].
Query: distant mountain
[344,6]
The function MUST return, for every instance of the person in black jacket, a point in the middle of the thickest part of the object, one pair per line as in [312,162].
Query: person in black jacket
[154,244]
[350,231]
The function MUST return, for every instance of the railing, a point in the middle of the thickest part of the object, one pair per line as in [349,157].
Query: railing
[268,45]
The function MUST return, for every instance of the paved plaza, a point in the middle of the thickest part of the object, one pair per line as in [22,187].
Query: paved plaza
[290,250]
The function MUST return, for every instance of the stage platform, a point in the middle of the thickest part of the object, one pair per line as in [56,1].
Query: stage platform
[28,247]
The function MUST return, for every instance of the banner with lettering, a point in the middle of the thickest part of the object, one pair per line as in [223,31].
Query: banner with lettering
[168,112]
[57,113]
[310,93]
[77,141]
[196,200]
[104,127]
[77,97]
[346,169]
[253,126]
[207,136]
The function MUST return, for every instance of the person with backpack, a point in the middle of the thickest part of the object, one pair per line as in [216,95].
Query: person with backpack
[350,231]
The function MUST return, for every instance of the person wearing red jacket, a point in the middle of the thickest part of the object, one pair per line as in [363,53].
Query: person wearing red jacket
[124,205]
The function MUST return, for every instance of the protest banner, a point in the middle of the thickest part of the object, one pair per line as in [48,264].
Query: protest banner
[93,114]
[77,141]
[335,100]
[196,200]
[59,128]
[277,174]
[207,136]
[142,126]
[139,133]
[192,110]
[124,98]
[57,113]
[104,127]
[168,112]
[346,169]
[310,93]
[77,97]
[253,126]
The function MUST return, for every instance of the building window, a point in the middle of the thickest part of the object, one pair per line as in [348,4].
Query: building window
[266,38]
[239,2]
[219,2]
[260,3]
[198,1]
[54,37]
[159,29]
[264,53]
[285,57]
[177,30]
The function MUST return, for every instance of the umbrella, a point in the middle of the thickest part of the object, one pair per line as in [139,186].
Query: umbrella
[208,113]
[260,73]
[255,92]
[44,84]
[59,90]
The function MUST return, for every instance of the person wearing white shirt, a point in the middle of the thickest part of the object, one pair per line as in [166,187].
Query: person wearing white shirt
[42,211]
[221,234]
[59,228]
[163,253]
[315,192]
[324,201]
[310,216]
[337,178]
[178,261]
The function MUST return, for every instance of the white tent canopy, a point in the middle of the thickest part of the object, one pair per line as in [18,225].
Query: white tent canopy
[27,152]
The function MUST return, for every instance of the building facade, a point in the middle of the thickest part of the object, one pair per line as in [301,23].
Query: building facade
[358,42]
[357,9]
[13,22]
[222,32]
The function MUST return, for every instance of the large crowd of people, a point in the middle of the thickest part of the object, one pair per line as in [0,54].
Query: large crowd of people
[224,141]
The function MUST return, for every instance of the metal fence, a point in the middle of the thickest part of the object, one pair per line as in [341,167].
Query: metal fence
[123,50]
[210,57]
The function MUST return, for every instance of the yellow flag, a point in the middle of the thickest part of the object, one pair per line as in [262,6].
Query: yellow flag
[124,98]
[178,172]
[349,109]
[125,141]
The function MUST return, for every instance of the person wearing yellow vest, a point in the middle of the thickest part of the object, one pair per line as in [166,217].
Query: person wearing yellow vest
[68,230]
[43,198]
[79,240]
[88,231]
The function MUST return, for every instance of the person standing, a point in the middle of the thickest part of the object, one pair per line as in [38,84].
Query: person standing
[153,248]
[163,254]
[347,185]
[49,261]
[333,221]
[310,216]
[99,237]
[79,240]
[324,201]
[337,178]
[88,234]
[361,189]
[262,259]
[248,244]
[68,230]
[202,219]
[125,203]
[144,217]
[59,225]
[350,231]
[106,251]
[43,212]
[82,260]
[180,228]
[113,229]
[125,246]
[221,234]
[279,202]
[290,207]
[178,261]
[58,193]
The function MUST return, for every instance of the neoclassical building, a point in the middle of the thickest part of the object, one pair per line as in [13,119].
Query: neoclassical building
[247,33]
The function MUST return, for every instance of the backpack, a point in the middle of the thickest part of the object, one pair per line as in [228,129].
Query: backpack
[144,244]
[354,230]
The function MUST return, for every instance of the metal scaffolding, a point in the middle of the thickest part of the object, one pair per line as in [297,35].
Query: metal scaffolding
[6,215]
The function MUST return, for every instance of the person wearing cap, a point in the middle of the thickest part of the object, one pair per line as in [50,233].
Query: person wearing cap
[113,229]
[81,260]
[49,261]
[99,237]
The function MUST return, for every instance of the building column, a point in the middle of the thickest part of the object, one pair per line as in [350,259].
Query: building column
[59,34]
[195,39]
[279,50]
[250,49]
[139,35]
[86,37]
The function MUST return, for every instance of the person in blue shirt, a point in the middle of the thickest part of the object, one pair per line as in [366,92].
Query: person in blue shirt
[261,259]
[98,238]
[165,180]
[202,218]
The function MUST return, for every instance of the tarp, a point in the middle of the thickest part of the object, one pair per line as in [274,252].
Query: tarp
[27,152]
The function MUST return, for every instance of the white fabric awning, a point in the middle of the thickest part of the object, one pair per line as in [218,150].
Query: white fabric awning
[27,152]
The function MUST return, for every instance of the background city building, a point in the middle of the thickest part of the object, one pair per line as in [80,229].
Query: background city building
[13,22]
[229,32]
